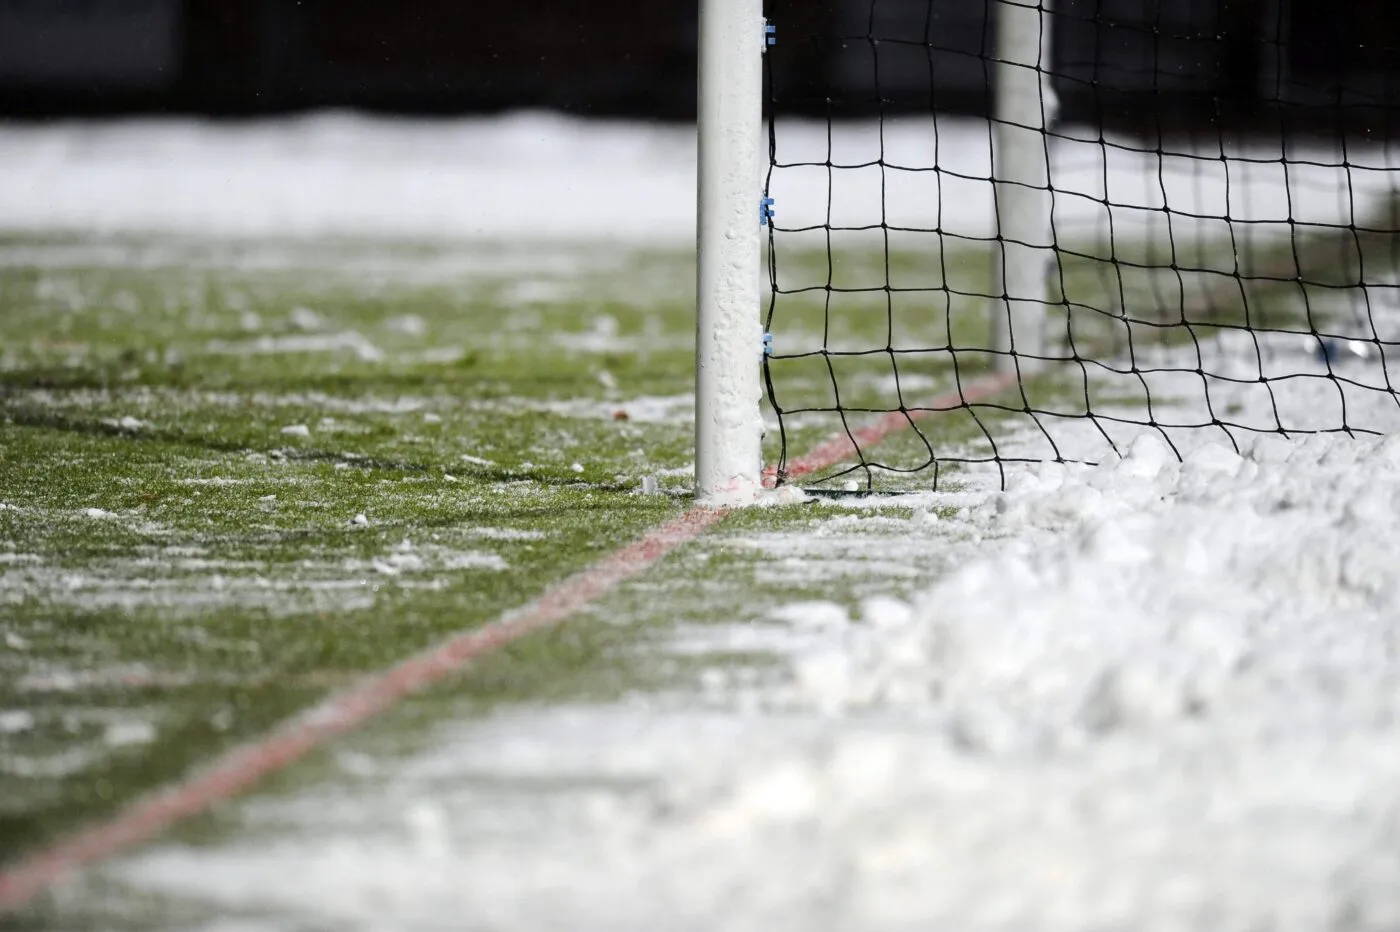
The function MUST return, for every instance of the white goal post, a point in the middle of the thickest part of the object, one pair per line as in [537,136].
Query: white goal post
[729,337]
[729,243]
[1025,107]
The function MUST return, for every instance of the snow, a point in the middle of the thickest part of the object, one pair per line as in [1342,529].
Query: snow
[408,324]
[528,175]
[14,721]
[1152,693]
[305,319]
[1158,582]
[540,176]
[65,763]
[126,422]
[128,733]
[186,583]
[409,558]
[349,341]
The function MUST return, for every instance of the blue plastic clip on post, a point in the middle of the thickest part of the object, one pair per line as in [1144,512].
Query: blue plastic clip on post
[765,211]
[770,34]
[768,344]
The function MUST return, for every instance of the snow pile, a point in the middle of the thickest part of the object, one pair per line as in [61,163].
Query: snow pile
[1169,700]
[524,175]
[1146,591]
[546,176]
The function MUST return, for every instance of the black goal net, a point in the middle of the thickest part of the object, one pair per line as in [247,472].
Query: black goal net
[1018,231]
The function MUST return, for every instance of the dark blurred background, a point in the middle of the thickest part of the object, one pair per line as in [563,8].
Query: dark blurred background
[1116,60]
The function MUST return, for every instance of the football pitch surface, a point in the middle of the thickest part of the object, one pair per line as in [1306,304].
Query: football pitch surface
[380,483]
[239,477]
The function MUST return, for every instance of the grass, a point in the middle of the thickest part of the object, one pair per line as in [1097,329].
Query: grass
[180,561]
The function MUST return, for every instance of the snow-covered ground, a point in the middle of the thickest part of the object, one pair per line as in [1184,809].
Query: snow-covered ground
[341,174]
[1145,695]
[546,177]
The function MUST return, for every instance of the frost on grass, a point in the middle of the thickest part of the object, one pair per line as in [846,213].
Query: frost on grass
[95,735]
[184,582]
[408,558]
[353,342]
[310,586]
[668,409]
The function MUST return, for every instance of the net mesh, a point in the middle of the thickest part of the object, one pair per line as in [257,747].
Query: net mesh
[1219,221]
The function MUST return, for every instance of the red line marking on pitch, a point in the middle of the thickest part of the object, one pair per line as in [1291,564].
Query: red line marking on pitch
[240,768]
[237,770]
[839,447]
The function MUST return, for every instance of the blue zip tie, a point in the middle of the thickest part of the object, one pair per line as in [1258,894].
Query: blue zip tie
[768,344]
[770,33]
[765,211]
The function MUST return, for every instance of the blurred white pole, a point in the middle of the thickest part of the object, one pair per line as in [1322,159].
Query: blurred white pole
[729,339]
[1025,108]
